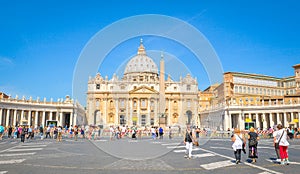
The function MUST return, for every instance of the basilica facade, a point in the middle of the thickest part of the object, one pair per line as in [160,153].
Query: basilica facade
[142,97]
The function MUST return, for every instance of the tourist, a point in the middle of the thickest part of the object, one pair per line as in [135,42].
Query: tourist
[10,130]
[59,134]
[283,144]
[48,132]
[41,132]
[111,132]
[238,140]
[75,132]
[276,146]
[1,131]
[188,141]
[253,142]
[170,132]
[153,133]
[161,133]
[23,133]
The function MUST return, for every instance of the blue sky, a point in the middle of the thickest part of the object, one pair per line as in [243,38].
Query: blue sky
[40,42]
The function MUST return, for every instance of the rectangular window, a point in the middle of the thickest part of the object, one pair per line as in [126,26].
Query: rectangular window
[122,120]
[188,87]
[152,121]
[143,120]
[97,86]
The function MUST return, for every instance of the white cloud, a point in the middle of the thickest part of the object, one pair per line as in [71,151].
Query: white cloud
[6,61]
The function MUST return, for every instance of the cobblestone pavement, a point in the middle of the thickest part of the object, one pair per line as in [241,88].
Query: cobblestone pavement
[137,156]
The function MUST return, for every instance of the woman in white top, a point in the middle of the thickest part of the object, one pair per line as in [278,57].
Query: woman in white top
[238,140]
[281,136]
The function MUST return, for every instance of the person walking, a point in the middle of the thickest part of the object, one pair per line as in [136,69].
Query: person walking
[10,130]
[59,134]
[75,132]
[153,133]
[283,144]
[188,141]
[23,133]
[170,132]
[161,133]
[1,131]
[253,142]
[238,140]
[276,146]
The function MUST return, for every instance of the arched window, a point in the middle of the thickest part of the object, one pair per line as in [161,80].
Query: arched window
[236,89]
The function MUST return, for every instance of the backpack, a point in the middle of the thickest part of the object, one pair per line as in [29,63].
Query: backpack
[1,129]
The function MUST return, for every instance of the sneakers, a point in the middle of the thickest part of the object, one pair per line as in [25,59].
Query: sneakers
[278,160]
[185,156]
[287,162]
[282,163]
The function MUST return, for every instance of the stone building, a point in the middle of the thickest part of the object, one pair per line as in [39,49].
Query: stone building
[244,100]
[142,97]
[22,111]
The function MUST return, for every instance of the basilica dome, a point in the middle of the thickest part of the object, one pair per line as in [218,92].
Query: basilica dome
[141,63]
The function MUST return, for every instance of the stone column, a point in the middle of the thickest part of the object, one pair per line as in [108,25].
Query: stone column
[117,117]
[43,118]
[278,118]
[257,120]
[105,112]
[15,117]
[1,111]
[22,116]
[60,119]
[148,118]
[241,121]
[138,112]
[71,118]
[7,117]
[51,115]
[230,120]
[226,122]
[36,118]
[75,118]
[29,118]
[264,121]
[285,119]
[131,110]
[127,109]
[271,119]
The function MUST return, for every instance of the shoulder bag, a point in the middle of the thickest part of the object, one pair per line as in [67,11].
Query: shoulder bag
[196,143]
[277,144]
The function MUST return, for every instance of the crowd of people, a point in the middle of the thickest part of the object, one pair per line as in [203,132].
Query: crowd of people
[281,137]
[280,142]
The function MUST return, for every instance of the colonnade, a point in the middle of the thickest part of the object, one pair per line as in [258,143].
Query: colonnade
[32,117]
[262,120]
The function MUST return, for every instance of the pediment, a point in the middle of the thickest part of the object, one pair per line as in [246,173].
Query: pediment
[143,90]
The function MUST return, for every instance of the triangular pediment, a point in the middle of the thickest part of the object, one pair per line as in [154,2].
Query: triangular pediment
[143,90]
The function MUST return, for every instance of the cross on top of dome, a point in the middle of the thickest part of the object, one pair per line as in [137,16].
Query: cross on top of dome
[141,50]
